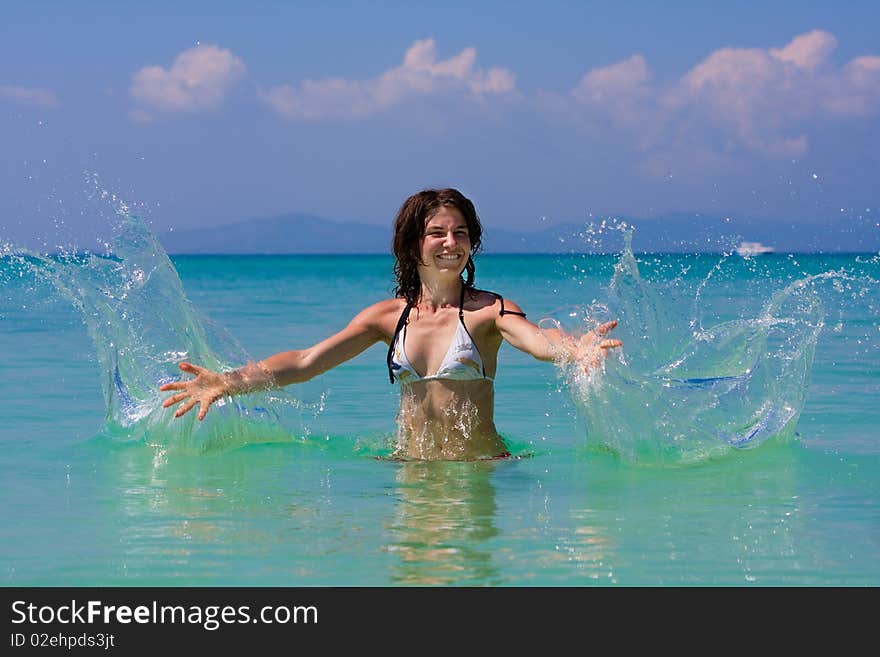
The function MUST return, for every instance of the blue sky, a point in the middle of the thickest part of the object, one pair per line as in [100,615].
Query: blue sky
[200,114]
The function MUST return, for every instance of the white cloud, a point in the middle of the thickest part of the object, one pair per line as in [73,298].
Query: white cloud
[858,91]
[622,78]
[198,80]
[420,74]
[808,50]
[760,100]
[755,96]
[619,91]
[29,96]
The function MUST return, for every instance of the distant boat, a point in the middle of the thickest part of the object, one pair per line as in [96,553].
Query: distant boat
[748,249]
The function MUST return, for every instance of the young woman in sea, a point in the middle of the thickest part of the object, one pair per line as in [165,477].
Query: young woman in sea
[443,335]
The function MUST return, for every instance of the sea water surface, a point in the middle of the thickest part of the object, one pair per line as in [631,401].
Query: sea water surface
[733,441]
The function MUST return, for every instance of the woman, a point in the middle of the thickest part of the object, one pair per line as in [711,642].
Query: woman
[443,336]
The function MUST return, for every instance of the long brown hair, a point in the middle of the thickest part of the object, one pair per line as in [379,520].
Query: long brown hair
[409,229]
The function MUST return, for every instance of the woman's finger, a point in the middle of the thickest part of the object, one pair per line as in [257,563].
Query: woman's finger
[177,385]
[174,399]
[607,326]
[610,344]
[183,410]
[192,369]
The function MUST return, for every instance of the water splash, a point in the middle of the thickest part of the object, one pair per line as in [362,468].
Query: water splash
[691,382]
[141,324]
[694,382]
[418,437]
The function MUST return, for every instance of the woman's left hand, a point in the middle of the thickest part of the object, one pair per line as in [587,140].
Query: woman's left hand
[593,346]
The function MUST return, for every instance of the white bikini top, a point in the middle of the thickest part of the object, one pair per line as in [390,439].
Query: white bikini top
[462,361]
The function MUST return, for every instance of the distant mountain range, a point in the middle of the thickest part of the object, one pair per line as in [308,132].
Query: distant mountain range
[308,234]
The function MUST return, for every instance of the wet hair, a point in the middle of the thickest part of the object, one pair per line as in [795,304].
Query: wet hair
[409,229]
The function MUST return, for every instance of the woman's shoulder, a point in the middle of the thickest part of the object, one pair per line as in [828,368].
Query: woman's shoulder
[385,307]
[380,317]
[390,303]
[482,299]
[487,299]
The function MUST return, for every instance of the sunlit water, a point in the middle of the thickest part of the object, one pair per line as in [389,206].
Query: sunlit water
[733,440]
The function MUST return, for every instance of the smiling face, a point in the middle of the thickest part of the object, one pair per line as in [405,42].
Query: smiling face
[446,245]
[429,224]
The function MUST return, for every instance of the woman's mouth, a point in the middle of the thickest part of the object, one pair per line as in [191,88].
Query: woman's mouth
[449,257]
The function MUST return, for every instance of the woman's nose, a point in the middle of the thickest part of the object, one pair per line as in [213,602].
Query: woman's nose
[449,240]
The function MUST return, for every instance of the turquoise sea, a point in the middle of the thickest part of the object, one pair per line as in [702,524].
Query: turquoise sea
[733,441]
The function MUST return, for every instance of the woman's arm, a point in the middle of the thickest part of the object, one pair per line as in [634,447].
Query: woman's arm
[281,369]
[553,343]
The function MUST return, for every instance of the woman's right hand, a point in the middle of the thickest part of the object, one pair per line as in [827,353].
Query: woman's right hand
[204,390]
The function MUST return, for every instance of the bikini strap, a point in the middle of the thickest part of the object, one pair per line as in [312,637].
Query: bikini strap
[404,316]
[504,312]
[464,326]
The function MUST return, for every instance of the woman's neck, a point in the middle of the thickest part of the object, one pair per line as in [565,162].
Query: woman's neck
[439,292]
